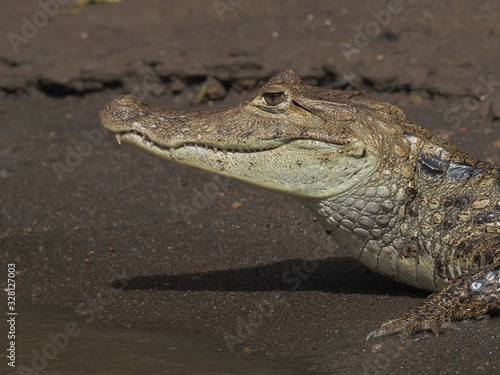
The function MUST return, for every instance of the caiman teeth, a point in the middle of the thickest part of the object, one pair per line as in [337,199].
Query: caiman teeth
[147,141]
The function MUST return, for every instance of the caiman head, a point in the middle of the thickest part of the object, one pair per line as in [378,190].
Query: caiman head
[304,141]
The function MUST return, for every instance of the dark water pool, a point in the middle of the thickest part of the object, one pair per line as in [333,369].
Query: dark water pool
[54,343]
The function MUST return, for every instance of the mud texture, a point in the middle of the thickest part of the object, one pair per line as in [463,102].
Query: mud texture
[121,238]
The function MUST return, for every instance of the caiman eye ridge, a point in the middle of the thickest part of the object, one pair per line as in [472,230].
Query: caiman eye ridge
[148,142]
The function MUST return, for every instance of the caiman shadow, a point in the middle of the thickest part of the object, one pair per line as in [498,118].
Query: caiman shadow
[333,275]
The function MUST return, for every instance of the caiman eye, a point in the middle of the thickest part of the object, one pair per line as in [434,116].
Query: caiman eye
[274,98]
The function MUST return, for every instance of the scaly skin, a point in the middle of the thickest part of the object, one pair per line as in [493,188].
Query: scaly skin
[404,203]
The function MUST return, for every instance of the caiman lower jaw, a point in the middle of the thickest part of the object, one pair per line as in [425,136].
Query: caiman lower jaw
[302,168]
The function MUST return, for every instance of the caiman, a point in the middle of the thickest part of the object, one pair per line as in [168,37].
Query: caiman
[403,202]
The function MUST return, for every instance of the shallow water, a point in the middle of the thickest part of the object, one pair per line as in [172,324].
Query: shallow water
[53,343]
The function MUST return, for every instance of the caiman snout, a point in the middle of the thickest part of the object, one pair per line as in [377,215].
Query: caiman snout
[126,113]
[117,111]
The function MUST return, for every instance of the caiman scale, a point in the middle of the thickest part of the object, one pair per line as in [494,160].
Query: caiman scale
[404,203]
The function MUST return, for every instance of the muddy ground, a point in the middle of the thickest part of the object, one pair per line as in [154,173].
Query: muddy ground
[121,238]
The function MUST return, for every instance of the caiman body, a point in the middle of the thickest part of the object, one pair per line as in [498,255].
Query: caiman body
[403,202]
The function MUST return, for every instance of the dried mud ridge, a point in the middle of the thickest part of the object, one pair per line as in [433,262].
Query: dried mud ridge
[202,88]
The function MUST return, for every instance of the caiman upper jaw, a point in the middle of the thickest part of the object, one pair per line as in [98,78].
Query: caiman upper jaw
[128,118]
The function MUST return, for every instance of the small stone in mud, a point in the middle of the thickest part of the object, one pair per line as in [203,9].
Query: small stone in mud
[215,89]
[178,86]
[237,204]
[246,84]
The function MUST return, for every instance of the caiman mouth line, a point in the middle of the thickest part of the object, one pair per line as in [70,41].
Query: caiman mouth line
[149,143]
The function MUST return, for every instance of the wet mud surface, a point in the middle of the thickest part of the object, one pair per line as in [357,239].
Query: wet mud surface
[117,237]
